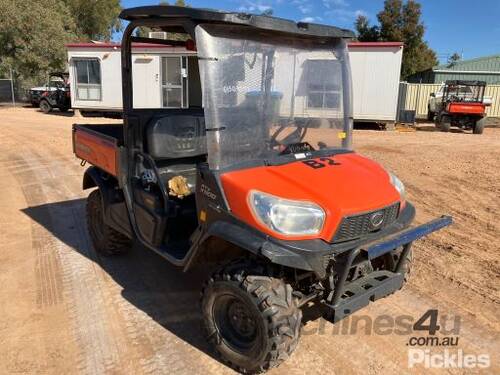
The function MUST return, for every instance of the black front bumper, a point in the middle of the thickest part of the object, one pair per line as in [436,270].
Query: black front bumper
[352,296]
[359,293]
[314,255]
[348,297]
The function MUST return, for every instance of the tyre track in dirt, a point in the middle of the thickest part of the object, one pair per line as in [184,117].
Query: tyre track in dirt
[84,292]
[81,289]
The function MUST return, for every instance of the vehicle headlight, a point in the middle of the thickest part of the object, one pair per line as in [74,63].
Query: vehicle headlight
[286,216]
[400,187]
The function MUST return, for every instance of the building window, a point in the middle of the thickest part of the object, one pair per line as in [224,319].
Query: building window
[174,82]
[324,87]
[323,96]
[88,79]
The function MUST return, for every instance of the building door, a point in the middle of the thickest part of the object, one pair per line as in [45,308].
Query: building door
[146,81]
[174,73]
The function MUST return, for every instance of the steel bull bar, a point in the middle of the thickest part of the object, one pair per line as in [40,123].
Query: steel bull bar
[350,297]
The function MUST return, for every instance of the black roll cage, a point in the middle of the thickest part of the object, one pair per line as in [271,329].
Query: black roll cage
[183,19]
[452,87]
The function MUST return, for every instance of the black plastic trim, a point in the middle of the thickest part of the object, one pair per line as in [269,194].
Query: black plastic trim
[306,255]
[245,19]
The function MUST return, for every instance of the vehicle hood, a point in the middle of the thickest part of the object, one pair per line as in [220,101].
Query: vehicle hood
[342,185]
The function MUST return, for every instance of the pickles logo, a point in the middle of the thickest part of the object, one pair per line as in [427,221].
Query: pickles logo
[447,359]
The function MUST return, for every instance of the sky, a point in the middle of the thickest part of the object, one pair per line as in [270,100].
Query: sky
[471,28]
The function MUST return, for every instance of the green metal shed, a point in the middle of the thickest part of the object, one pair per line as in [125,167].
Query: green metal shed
[482,69]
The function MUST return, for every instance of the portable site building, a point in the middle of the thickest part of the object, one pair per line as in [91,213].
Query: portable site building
[485,69]
[165,76]
[375,69]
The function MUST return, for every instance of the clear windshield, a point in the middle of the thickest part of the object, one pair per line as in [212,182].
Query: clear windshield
[267,96]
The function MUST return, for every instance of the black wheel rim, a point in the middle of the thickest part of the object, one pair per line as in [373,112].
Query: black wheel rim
[236,323]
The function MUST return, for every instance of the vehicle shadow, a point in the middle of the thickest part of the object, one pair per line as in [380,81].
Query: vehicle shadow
[150,283]
[56,112]
[147,281]
[432,128]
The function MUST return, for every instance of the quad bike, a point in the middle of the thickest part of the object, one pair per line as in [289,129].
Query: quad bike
[56,95]
[462,105]
[255,181]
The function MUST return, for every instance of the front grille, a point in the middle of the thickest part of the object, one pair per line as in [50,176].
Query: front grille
[356,226]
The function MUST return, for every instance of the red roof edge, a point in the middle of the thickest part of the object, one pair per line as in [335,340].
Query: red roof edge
[115,45]
[152,45]
[375,44]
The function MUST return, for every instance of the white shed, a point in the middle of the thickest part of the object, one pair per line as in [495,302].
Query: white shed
[166,76]
[376,69]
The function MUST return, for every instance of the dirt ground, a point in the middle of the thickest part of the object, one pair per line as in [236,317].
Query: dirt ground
[64,309]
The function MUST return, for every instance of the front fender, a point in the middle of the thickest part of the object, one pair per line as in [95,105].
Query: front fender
[249,239]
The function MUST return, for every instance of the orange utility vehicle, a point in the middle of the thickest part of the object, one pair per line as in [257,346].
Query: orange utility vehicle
[462,105]
[262,179]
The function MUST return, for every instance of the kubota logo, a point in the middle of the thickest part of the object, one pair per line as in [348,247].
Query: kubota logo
[376,219]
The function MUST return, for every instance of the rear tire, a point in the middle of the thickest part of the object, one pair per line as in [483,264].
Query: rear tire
[430,114]
[45,106]
[445,124]
[106,240]
[479,126]
[251,318]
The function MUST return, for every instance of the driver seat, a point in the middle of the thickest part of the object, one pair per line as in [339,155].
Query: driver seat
[177,143]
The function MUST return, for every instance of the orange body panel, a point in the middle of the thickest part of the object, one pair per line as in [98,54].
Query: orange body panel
[97,151]
[352,184]
[466,108]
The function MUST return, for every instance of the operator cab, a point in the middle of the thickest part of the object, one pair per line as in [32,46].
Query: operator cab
[264,92]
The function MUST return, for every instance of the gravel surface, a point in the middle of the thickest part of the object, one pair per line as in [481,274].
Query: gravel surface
[64,309]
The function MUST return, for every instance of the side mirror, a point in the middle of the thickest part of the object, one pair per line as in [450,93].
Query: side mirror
[433,95]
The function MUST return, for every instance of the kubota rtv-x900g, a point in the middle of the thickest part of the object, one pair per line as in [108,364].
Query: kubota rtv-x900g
[260,177]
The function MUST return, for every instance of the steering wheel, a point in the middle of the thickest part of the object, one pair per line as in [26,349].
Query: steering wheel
[296,136]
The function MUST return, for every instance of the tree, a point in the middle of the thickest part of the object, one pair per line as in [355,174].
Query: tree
[95,20]
[400,22]
[454,58]
[366,33]
[33,38]
[143,31]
